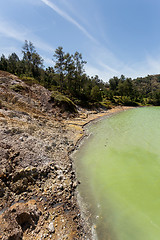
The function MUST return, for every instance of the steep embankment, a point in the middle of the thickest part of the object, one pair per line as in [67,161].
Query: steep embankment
[37,178]
[37,181]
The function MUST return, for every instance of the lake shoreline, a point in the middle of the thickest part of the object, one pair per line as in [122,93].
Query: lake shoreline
[113,169]
[78,126]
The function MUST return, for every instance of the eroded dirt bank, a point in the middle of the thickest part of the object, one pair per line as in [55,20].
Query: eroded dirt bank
[37,179]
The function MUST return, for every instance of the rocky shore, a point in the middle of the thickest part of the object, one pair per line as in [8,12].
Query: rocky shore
[37,179]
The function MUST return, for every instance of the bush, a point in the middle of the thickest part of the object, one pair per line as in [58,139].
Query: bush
[96,94]
[107,104]
[29,80]
[17,88]
[127,101]
[63,102]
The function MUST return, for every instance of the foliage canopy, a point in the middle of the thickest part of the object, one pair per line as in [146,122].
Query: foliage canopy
[67,77]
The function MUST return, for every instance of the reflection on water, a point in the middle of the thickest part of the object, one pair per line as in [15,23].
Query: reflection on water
[119,169]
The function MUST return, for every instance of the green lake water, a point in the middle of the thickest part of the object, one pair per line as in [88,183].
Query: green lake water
[119,169]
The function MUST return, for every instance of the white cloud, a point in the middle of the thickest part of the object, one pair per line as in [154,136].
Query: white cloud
[42,45]
[154,64]
[108,68]
[8,50]
[20,33]
[68,18]
[102,73]
[105,73]
[106,65]
[8,31]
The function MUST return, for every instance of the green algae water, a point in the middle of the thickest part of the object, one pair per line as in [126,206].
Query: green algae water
[119,169]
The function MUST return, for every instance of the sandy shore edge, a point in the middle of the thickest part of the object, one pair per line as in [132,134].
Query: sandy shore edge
[87,117]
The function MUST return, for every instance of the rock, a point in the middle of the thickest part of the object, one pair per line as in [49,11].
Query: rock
[45,235]
[61,187]
[37,230]
[60,177]
[19,218]
[75,184]
[56,167]
[21,139]
[16,235]
[46,216]
[2,191]
[20,186]
[51,227]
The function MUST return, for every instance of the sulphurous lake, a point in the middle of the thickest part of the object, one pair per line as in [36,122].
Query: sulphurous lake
[119,169]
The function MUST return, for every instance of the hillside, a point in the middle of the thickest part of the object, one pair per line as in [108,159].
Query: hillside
[147,85]
[37,180]
[71,86]
[38,131]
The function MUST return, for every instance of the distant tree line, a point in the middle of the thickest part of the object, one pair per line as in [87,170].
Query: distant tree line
[67,75]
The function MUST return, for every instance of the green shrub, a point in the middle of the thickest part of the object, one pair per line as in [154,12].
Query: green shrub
[29,80]
[17,88]
[107,104]
[63,102]
[127,101]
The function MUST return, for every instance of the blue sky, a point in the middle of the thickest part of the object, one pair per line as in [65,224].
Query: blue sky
[114,36]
